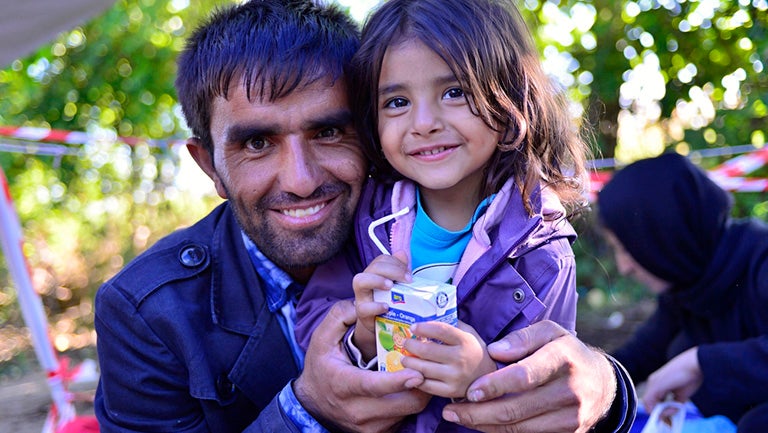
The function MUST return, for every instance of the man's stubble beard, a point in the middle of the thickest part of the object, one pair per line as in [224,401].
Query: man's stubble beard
[294,249]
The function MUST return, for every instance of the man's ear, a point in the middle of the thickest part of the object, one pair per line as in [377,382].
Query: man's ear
[204,159]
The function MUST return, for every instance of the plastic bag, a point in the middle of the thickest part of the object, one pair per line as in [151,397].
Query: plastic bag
[667,417]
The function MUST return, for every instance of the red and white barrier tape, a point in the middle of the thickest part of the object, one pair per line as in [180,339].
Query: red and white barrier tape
[733,184]
[70,137]
[729,175]
[742,164]
[44,134]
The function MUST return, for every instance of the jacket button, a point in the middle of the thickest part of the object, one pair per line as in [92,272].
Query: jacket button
[518,295]
[225,388]
[192,255]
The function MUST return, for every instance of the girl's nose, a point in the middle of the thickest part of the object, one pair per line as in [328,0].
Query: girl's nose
[426,119]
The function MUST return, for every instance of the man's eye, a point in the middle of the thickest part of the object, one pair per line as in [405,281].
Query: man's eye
[453,92]
[396,103]
[256,143]
[329,133]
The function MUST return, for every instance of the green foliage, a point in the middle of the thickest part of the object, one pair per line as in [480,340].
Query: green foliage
[88,212]
[116,72]
[709,56]
[718,49]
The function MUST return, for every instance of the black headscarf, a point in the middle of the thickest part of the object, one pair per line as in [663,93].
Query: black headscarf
[668,214]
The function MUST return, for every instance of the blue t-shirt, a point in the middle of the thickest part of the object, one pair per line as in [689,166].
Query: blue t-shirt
[435,251]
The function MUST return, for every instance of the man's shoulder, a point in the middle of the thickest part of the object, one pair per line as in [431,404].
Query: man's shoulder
[180,255]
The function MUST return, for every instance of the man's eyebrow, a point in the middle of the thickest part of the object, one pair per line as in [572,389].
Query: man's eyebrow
[240,133]
[338,118]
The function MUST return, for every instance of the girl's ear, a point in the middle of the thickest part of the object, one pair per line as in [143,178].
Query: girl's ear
[204,160]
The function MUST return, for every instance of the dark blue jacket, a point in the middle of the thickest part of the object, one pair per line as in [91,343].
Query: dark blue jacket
[185,340]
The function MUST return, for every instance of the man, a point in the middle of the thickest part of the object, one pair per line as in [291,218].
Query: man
[196,334]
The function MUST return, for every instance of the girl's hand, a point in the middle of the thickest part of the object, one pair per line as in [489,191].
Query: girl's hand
[379,275]
[449,367]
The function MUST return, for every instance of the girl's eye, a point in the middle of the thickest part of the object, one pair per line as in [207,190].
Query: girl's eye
[396,103]
[453,92]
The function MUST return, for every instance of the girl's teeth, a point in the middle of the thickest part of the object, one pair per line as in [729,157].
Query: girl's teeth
[433,151]
[300,213]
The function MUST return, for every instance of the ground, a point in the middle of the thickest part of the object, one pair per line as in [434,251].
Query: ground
[25,399]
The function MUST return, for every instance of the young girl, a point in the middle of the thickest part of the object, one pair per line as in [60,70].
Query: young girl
[465,130]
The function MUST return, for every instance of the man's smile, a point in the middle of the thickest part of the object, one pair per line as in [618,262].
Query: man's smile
[303,212]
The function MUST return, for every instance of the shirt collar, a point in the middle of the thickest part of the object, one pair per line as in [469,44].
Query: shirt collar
[280,287]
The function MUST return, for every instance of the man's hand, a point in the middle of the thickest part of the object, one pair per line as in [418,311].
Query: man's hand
[554,383]
[681,377]
[343,396]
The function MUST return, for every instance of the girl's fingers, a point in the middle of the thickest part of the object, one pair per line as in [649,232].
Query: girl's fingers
[392,267]
[370,309]
[439,331]
[365,283]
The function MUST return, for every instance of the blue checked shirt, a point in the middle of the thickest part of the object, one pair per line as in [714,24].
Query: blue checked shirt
[282,292]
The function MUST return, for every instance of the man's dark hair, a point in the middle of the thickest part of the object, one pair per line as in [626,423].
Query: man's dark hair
[271,47]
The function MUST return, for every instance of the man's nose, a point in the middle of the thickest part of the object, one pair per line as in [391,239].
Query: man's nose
[300,173]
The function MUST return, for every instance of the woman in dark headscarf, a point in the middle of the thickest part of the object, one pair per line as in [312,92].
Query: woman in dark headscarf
[671,230]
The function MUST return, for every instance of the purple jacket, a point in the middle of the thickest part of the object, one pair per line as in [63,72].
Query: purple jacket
[517,269]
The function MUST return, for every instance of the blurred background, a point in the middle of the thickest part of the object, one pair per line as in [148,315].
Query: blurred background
[91,136]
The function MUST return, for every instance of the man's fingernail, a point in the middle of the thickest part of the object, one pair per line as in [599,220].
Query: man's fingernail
[501,345]
[476,395]
[450,416]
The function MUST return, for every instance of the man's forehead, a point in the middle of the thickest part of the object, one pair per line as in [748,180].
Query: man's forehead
[333,92]
[264,88]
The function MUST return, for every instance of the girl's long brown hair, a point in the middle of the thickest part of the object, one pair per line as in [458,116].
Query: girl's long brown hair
[489,48]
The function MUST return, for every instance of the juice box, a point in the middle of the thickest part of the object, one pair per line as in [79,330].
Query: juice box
[421,300]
